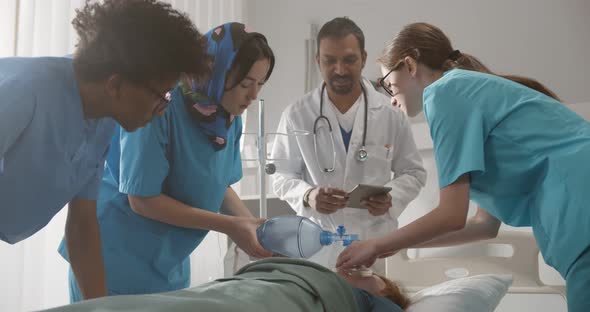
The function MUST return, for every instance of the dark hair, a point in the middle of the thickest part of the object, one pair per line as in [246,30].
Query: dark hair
[339,28]
[142,40]
[394,293]
[428,45]
[254,49]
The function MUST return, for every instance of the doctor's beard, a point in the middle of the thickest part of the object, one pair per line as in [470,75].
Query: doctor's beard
[341,84]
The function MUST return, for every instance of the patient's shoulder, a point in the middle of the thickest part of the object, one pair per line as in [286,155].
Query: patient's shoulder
[367,302]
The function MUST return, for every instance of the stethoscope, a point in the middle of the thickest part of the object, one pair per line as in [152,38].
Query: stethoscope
[361,154]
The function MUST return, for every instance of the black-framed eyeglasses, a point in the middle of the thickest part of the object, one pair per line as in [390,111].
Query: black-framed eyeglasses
[163,100]
[387,87]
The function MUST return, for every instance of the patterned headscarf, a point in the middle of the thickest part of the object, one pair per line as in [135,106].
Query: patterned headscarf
[203,99]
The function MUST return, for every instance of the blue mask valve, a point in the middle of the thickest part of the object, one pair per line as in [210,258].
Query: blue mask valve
[327,238]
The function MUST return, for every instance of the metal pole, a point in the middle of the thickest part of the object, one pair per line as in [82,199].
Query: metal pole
[262,159]
[16,22]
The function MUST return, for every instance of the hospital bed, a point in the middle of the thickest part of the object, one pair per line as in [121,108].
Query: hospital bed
[526,293]
[518,257]
[270,286]
[444,283]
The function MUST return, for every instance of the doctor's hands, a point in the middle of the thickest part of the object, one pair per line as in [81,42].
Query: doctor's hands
[377,205]
[243,233]
[327,200]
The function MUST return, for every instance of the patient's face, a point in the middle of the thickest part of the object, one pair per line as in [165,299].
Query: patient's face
[373,284]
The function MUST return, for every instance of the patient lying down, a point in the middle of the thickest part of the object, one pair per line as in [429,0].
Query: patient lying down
[274,284]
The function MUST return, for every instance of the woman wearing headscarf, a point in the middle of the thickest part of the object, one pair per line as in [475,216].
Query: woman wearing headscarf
[165,184]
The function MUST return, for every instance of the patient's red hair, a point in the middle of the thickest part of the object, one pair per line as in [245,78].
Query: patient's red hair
[394,293]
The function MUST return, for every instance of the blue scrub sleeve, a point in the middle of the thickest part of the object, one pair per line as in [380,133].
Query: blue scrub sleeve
[90,190]
[458,132]
[236,172]
[143,165]
[17,107]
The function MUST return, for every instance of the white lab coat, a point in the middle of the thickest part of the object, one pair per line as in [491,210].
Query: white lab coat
[387,125]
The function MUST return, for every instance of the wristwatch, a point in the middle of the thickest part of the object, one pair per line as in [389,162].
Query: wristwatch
[306,198]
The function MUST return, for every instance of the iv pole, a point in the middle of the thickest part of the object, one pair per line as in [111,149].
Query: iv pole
[261,143]
[264,166]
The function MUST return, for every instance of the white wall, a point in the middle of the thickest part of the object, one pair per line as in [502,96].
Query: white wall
[545,39]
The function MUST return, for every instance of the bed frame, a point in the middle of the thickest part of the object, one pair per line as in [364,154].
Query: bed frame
[418,273]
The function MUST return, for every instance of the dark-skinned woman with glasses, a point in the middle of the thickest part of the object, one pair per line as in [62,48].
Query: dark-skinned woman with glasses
[58,115]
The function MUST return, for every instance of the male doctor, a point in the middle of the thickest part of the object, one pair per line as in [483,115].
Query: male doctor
[371,139]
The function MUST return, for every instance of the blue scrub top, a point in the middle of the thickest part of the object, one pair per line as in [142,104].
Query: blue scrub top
[49,154]
[346,137]
[527,154]
[170,156]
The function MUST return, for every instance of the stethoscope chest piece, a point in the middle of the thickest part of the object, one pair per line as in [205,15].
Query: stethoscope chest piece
[362,154]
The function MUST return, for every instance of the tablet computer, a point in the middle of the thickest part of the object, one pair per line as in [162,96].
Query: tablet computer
[364,191]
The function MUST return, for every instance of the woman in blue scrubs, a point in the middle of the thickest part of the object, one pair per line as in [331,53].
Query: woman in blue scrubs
[164,184]
[521,155]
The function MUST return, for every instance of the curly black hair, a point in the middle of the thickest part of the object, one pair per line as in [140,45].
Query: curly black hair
[142,40]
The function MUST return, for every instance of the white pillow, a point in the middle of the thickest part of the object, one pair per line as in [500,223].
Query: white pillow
[474,293]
